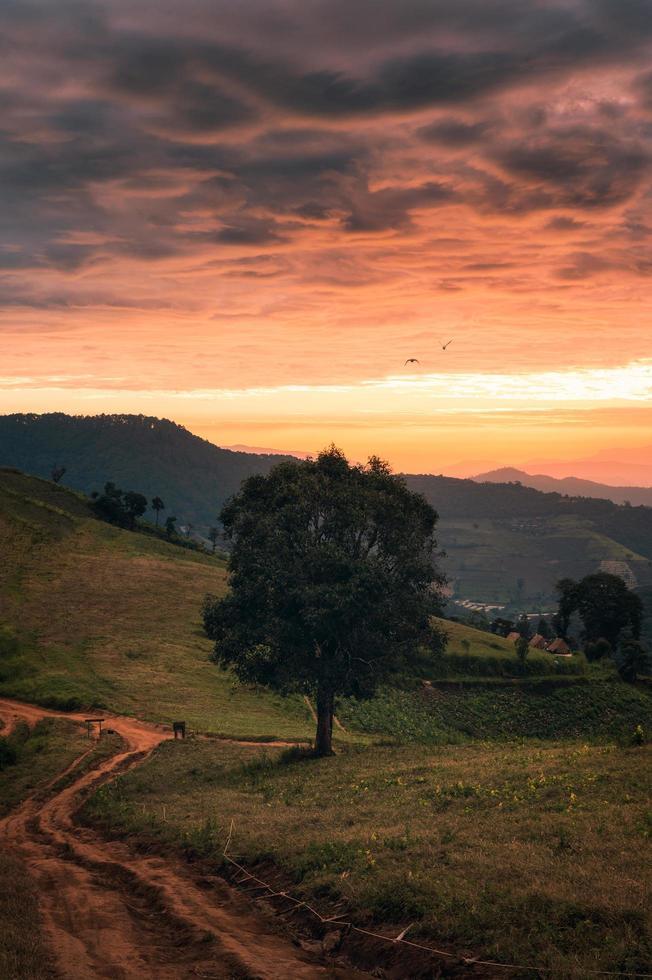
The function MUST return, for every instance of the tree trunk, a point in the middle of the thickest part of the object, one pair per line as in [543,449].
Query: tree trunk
[156,512]
[325,708]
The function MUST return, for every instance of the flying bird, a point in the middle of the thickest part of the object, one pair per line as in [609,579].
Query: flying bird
[411,360]
[447,344]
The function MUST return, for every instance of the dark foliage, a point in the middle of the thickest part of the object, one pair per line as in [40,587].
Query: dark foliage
[333,581]
[633,658]
[117,507]
[604,604]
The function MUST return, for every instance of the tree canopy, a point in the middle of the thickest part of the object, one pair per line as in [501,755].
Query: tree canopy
[605,605]
[333,581]
[118,507]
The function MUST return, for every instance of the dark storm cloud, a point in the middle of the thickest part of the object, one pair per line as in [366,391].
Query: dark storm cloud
[455,132]
[165,131]
[584,168]
[564,223]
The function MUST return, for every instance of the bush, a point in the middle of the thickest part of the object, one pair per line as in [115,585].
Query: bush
[472,665]
[598,650]
[8,754]
[8,642]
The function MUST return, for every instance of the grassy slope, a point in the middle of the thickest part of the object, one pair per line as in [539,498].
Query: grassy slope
[527,853]
[114,619]
[485,646]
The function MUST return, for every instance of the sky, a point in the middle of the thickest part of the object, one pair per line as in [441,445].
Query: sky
[247,216]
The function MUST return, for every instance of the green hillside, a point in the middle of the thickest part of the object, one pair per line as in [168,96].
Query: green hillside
[94,614]
[517,561]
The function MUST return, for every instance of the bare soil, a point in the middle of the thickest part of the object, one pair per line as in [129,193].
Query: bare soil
[111,913]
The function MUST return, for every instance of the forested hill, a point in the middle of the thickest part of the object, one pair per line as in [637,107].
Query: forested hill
[194,477]
[153,456]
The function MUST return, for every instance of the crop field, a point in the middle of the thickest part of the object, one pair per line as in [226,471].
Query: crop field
[536,709]
[486,558]
[523,853]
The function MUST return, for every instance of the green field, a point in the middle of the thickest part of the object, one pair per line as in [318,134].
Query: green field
[528,853]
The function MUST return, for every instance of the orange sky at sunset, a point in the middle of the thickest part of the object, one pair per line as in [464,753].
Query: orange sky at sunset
[245,217]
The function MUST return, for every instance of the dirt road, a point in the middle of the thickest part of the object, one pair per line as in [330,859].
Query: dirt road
[115,914]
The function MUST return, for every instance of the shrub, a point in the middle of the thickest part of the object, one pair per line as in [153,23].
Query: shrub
[8,754]
[598,650]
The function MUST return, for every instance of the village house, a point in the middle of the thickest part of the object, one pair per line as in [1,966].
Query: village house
[538,642]
[559,647]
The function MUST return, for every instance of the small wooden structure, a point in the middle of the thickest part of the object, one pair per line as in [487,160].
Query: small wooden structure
[179,729]
[559,647]
[538,642]
[89,726]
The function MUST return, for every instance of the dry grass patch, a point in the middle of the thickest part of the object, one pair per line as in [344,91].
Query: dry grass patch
[23,955]
[522,853]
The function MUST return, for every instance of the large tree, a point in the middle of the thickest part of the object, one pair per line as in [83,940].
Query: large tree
[332,581]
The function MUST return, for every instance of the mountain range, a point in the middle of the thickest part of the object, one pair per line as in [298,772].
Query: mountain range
[569,485]
[503,543]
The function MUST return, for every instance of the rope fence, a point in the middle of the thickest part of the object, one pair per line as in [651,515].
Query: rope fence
[471,961]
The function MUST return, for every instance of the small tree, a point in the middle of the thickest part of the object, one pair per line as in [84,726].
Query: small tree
[543,629]
[523,626]
[157,505]
[57,472]
[598,650]
[632,658]
[135,505]
[170,529]
[333,582]
[522,650]
[109,505]
[214,537]
[501,626]
[605,605]
[567,591]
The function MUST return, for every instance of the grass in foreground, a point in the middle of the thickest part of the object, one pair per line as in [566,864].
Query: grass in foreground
[522,853]
[23,956]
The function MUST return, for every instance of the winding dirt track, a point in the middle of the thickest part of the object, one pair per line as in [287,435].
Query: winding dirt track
[115,914]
